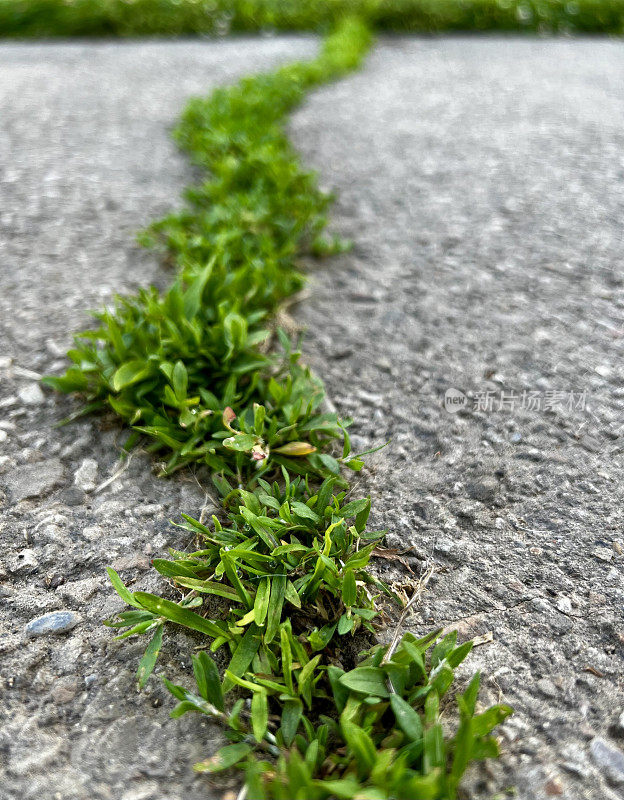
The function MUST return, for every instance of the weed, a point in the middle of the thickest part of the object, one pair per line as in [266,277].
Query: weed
[287,558]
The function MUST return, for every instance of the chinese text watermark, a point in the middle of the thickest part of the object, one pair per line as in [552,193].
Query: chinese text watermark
[526,400]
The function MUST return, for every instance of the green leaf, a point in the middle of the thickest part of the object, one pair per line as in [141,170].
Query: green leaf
[254,781]
[171,569]
[305,677]
[129,373]
[177,614]
[291,715]
[484,723]
[366,680]
[208,680]
[285,633]
[434,751]
[456,656]
[276,602]
[321,638]
[224,758]
[302,511]
[230,570]
[344,789]
[291,595]
[471,694]
[180,380]
[259,714]
[442,679]
[209,587]
[121,590]
[349,589]
[361,517]
[193,294]
[442,648]
[340,692]
[345,624]
[243,655]
[148,662]
[407,718]
[261,602]
[360,744]
[353,508]
[243,442]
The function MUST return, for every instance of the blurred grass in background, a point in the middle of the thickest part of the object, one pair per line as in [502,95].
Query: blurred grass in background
[42,18]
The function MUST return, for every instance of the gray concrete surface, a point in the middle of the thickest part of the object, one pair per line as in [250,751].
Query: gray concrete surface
[482,183]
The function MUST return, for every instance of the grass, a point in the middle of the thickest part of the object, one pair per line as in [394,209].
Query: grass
[37,18]
[170,364]
[278,585]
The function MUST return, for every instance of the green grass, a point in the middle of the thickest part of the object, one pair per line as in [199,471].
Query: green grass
[169,364]
[28,18]
[202,372]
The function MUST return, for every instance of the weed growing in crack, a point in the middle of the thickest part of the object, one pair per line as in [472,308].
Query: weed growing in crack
[192,370]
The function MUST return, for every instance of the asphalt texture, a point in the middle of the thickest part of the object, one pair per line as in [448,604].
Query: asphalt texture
[482,183]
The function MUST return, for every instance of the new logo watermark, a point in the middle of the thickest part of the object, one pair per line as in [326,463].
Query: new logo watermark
[455,400]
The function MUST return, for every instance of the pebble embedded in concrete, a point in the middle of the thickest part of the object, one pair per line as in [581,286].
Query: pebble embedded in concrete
[31,395]
[54,622]
[610,759]
[85,477]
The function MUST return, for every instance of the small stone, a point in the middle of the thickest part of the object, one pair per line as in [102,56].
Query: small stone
[3,436]
[609,759]
[465,510]
[33,480]
[133,561]
[54,349]
[146,792]
[85,477]
[340,353]
[444,546]
[72,496]
[542,606]
[553,787]
[31,395]
[55,580]
[93,532]
[371,399]
[24,561]
[80,591]
[148,510]
[54,622]
[515,438]
[547,687]
[65,690]
[563,604]
[603,553]
[484,491]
